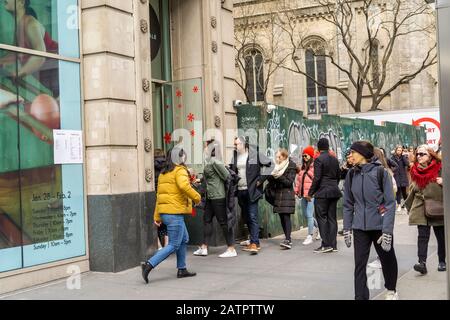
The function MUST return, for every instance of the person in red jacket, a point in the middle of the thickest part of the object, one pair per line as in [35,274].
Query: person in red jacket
[302,185]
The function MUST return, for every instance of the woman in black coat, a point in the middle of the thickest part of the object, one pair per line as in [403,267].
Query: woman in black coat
[282,183]
[401,174]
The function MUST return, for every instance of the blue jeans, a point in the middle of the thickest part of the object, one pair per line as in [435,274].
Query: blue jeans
[308,213]
[250,214]
[178,240]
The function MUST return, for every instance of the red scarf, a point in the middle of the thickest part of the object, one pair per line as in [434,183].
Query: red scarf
[423,176]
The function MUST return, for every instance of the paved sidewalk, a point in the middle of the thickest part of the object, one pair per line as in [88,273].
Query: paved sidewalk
[272,274]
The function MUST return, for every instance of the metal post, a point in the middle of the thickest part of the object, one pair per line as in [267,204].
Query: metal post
[443,27]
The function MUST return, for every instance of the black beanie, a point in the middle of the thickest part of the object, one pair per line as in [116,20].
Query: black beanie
[323,144]
[365,150]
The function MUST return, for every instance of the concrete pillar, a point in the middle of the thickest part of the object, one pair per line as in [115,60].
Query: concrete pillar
[443,16]
[119,197]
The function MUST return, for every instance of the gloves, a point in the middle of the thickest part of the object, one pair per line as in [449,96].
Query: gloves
[386,242]
[348,238]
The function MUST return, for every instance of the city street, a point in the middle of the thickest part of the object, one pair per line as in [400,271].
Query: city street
[272,274]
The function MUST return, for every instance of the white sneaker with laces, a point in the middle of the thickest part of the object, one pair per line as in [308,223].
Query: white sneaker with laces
[376,264]
[391,295]
[399,208]
[202,252]
[228,254]
[245,243]
[308,240]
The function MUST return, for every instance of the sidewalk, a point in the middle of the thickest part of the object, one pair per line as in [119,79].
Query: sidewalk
[272,274]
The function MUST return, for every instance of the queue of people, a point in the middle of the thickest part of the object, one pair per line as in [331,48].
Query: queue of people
[375,187]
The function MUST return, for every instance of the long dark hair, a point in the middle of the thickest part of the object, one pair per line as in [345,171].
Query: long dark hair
[29,11]
[174,157]
[307,164]
[213,149]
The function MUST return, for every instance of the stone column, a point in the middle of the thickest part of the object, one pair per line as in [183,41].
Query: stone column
[119,197]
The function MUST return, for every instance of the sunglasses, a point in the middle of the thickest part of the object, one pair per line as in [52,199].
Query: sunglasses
[305,156]
[420,154]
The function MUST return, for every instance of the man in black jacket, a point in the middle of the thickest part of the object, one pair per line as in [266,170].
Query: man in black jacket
[253,169]
[326,193]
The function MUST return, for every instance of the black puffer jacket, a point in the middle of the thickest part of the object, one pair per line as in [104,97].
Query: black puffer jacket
[284,190]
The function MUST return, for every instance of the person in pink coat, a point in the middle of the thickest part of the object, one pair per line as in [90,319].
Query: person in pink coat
[303,183]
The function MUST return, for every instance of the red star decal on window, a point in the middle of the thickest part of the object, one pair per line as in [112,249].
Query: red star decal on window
[168,138]
[190,117]
[179,93]
[192,132]
[195,89]
[180,106]
[167,106]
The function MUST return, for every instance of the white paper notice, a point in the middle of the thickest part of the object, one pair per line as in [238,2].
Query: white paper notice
[68,146]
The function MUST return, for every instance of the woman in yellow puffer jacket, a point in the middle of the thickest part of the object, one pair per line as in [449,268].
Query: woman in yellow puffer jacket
[173,201]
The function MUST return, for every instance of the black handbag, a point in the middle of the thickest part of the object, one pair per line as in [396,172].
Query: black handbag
[269,194]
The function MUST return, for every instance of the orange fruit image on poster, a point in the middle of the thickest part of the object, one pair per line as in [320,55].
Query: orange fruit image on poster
[45,109]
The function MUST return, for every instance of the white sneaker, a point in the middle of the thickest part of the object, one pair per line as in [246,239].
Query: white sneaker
[399,208]
[245,243]
[376,264]
[308,240]
[202,252]
[229,254]
[391,295]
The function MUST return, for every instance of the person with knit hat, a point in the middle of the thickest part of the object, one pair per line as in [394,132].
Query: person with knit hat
[326,193]
[369,214]
[303,183]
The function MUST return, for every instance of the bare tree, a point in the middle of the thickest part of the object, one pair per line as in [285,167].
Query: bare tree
[258,34]
[382,24]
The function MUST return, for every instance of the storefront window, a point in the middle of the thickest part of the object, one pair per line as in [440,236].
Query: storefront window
[41,203]
[49,26]
[160,40]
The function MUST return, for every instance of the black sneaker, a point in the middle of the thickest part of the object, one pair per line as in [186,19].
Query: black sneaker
[287,244]
[335,250]
[323,250]
[442,267]
[146,268]
[341,232]
[183,273]
[421,267]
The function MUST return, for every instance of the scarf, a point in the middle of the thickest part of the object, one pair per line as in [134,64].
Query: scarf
[280,169]
[423,176]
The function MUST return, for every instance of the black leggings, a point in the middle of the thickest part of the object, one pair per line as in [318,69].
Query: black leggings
[363,241]
[216,208]
[424,238]
[286,224]
[401,192]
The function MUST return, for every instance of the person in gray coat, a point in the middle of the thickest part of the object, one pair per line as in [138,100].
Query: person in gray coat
[369,214]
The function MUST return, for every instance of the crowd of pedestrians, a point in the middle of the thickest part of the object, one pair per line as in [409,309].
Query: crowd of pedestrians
[373,184]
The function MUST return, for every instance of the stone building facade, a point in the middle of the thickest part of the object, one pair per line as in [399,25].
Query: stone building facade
[290,89]
[144,68]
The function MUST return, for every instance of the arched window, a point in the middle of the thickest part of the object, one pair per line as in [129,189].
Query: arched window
[316,68]
[254,73]
[375,64]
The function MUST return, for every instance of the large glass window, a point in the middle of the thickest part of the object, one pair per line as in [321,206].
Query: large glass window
[375,64]
[317,97]
[41,203]
[49,26]
[254,73]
